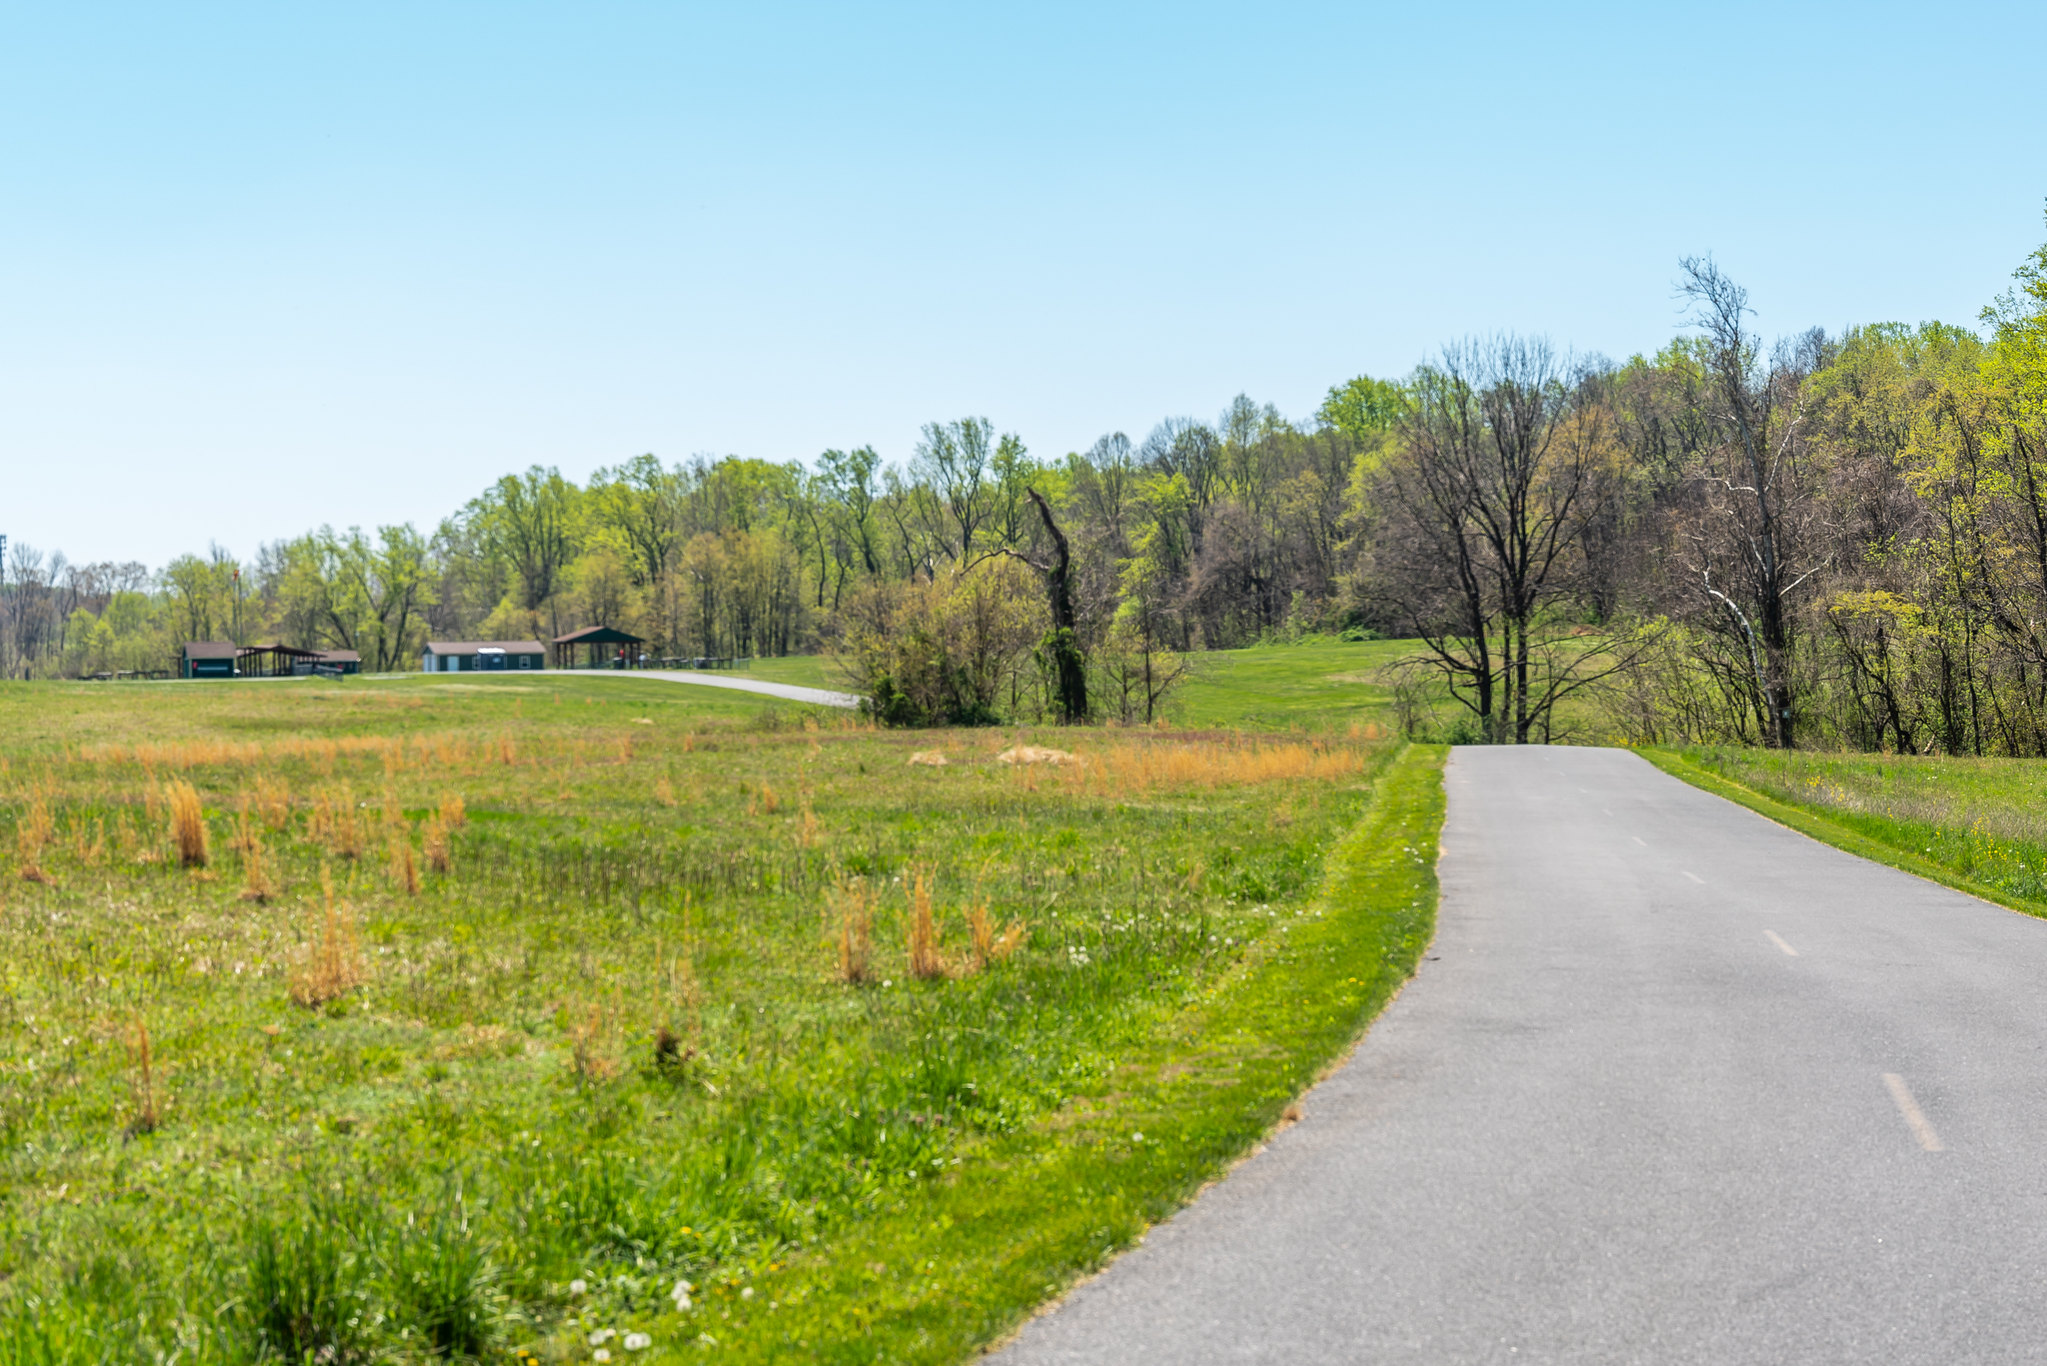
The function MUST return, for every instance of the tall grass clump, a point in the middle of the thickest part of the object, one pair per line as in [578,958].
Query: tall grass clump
[147,1114]
[443,1285]
[926,961]
[855,904]
[404,868]
[273,801]
[332,966]
[256,883]
[306,1297]
[991,946]
[31,836]
[434,845]
[188,825]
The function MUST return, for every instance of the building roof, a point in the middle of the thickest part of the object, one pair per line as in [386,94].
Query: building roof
[337,656]
[211,649]
[599,635]
[289,651]
[470,647]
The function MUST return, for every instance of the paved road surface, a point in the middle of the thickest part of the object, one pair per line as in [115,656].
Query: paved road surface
[1675,1085]
[820,697]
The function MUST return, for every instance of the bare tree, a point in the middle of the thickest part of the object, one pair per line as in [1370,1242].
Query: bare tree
[1750,538]
[1501,464]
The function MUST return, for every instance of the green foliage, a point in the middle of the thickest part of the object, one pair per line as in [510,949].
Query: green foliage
[1362,409]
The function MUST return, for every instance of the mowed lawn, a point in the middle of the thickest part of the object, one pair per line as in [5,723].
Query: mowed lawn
[1319,684]
[539,1018]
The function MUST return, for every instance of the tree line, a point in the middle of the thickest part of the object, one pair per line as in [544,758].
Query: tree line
[1834,540]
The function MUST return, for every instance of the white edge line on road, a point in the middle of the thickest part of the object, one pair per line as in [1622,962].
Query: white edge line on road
[1693,876]
[1639,840]
[1914,1119]
[1774,939]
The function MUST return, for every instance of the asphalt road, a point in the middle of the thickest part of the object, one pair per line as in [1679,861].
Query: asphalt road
[1674,1085]
[821,697]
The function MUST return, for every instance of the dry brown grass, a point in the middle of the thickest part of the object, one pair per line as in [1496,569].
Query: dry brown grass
[88,841]
[394,814]
[148,1113]
[925,959]
[764,802]
[256,883]
[273,802]
[332,966]
[453,814]
[188,824]
[664,792]
[336,823]
[31,836]
[239,840]
[439,857]
[403,867]
[592,1057]
[855,904]
[1142,768]
[1034,754]
[991,947]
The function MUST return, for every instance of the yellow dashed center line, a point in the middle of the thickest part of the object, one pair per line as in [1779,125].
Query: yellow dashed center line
[1915,1120]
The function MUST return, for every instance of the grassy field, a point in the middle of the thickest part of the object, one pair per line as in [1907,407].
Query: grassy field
[494,1012]
[1320,684]
[1977,824]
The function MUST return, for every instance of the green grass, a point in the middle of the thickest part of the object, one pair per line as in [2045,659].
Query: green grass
[1978,825]
[425,1165]
[1320,684]
[807,671]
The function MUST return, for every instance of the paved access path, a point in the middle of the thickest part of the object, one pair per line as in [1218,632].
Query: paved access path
[1674,1085]
[820,697]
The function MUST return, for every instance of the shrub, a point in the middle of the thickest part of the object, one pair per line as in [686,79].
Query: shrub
[956,650]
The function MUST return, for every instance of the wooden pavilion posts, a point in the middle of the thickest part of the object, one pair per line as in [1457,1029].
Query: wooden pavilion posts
[603,646]
[271,661]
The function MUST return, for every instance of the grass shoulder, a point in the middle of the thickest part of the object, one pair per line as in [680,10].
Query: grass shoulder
[1028,1214]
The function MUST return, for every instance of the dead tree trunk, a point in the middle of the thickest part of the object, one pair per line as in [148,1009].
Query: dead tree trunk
[1068,664]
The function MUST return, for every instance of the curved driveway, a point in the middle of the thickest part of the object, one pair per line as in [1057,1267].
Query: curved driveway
[1673,1085]
[820,697]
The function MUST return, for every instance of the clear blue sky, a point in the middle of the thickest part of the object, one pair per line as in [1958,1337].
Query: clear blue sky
[269,266]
